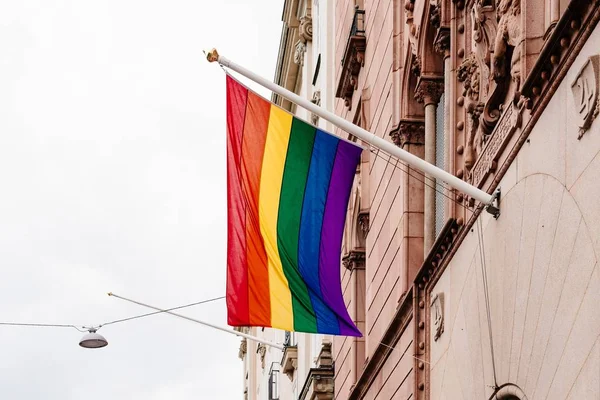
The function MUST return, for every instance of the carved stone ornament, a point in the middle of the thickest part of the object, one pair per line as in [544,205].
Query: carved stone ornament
[508,35]
[429,91]
[243,349]
[299,51]
[262,350]
[355,259]
[441,43]
[316,99]
[585,90]
[409,132]
[306,28]
[437,315]
[489,71]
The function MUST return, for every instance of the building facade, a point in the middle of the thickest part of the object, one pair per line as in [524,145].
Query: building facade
[457,304]
[453,302]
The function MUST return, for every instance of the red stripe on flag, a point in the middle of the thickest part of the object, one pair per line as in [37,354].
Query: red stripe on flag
[237,272]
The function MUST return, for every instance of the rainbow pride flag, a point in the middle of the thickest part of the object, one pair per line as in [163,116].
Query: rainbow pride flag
[288,185]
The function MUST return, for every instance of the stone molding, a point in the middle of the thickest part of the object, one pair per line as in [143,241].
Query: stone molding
[445,241]
[409,131]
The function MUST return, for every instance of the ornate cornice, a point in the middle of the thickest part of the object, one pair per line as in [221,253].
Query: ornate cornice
[429,90]
[409,131]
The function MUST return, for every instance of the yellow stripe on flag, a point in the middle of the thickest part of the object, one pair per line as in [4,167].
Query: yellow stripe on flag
[278,136]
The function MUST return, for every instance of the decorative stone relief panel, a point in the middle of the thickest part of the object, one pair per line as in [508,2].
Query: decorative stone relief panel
[585,89]
[437,315]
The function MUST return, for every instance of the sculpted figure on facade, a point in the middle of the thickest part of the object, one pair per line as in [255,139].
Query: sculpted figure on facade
[508,36]
[475,74]
[507,46]
[496,34]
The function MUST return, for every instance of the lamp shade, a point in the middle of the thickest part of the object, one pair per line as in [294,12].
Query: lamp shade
[93,340]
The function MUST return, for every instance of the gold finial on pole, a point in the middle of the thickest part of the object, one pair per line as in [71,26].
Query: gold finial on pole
[212,55]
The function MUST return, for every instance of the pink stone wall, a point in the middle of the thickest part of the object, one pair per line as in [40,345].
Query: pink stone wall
[382,282]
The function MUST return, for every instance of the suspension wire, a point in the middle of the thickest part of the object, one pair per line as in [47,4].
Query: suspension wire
[442,183]
[423,181]
[85,328]
[486,296]
[162,311]
[43,325]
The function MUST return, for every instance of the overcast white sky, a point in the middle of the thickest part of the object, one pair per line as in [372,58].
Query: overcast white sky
[112,178]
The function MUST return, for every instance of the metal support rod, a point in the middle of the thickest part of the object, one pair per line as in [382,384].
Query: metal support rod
[231,331]
[359,132]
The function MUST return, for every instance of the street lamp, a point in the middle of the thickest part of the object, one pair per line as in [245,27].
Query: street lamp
[93,340]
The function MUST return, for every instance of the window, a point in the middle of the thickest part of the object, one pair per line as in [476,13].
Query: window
[440,149]
[274,382]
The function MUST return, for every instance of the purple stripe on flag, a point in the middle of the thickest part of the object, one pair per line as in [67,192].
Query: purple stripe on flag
[342,176]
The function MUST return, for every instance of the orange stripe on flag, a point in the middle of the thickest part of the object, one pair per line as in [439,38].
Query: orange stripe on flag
[253,146]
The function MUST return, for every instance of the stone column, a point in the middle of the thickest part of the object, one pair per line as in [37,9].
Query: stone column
[429,92]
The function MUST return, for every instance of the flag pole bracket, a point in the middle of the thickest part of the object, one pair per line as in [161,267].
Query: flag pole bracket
[494,207]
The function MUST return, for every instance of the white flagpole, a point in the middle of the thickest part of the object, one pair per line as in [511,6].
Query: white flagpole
[388,147]
[231,331]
